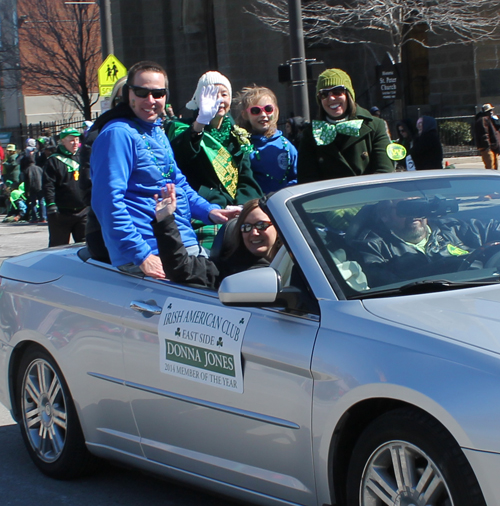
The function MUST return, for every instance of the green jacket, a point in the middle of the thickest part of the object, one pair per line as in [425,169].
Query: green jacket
[200,173]
[346,155]
[11,171]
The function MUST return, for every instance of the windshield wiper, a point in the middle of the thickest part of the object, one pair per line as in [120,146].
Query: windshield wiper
[427,286]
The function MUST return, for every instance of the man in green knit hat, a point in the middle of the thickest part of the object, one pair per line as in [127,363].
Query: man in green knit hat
[345,140]
[66,210]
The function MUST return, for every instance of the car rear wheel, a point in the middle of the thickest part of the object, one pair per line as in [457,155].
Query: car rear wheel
[49,422]
[406,458]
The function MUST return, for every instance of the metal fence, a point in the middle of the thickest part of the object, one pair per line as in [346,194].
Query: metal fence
[457,135]
[18,135]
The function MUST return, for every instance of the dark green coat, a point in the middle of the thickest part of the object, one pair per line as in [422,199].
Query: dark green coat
[346,155]
[11,172]
[201,175]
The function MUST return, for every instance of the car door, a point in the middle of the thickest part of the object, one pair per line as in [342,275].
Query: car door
[83,321]
[251,429]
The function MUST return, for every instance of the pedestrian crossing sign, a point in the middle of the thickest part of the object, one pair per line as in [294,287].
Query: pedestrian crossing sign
[110,71]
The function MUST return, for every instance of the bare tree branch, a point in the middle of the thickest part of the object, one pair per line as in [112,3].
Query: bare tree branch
[60,50]
[358,21]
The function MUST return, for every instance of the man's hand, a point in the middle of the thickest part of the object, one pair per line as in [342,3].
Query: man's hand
[152,267]
[222,215]
[168,203]
[208,104]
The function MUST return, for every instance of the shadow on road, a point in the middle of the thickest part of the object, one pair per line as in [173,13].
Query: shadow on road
[21,483]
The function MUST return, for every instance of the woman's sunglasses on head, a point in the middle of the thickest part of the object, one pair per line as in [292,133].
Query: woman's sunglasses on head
[260,226]
[144,92]
[257,109]
[336,91]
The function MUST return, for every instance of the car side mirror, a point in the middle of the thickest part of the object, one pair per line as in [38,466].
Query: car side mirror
[257,287]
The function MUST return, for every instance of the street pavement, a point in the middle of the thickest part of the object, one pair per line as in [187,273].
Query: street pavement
[18,238]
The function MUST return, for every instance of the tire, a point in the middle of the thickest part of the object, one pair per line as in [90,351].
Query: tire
[48,419]
[405,457]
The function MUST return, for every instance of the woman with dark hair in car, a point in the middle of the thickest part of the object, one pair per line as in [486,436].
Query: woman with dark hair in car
[253,238]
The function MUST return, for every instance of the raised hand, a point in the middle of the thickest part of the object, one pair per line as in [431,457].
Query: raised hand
[168,202]
[208,104]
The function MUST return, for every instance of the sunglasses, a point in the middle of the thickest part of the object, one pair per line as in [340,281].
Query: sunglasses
[257,109]
[144,92]
[336,91]
[260,226]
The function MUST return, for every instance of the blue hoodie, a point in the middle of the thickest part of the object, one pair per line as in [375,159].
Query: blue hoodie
[274,162]
[131,161]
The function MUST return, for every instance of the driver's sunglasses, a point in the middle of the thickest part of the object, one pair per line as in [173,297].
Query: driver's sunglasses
[257,109]
[260,226]
[336,91]
[157,93]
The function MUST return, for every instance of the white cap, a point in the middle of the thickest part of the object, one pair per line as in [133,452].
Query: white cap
[207,78]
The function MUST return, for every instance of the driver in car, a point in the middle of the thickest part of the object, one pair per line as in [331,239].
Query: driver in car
[411,238]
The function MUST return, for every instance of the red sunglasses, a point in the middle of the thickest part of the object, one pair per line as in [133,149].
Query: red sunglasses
[257,109]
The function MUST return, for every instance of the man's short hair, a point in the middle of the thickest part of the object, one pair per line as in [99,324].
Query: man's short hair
[145,66]
[142,66]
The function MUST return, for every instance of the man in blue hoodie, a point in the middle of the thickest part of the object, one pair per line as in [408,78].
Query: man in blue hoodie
[131,161]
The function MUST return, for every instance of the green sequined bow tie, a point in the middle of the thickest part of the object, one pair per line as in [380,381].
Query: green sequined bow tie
[325,133]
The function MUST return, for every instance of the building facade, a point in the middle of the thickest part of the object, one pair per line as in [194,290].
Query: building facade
[190,37]
[51,37]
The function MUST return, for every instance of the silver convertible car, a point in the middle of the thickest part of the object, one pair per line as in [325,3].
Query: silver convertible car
[361,368]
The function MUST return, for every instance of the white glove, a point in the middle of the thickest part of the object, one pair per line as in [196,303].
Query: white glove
[208,104]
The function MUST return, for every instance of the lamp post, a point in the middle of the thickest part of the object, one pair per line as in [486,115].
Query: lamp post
[106,29]
[298,60]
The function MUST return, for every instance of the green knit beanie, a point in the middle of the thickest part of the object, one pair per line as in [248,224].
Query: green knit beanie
[334,77]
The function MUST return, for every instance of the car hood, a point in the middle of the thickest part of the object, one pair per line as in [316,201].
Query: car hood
[471,315]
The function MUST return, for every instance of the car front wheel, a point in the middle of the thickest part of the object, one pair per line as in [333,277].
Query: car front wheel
[406,458]
[49,422]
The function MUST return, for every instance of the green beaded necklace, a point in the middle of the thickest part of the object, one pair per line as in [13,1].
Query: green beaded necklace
[166,175]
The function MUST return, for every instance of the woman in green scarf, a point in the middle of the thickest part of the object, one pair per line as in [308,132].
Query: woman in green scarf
[212,152]
[346,140]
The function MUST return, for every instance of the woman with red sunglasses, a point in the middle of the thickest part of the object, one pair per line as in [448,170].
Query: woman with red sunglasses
[274,157]
[345,140]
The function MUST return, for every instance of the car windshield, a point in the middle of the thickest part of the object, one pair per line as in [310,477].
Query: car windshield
[407,236]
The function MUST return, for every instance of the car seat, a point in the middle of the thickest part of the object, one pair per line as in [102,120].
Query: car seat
[223,242]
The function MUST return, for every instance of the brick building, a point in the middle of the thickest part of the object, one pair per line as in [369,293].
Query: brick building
[27,35]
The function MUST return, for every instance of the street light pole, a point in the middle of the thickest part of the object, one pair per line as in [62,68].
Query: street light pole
[298,60]
[106,29]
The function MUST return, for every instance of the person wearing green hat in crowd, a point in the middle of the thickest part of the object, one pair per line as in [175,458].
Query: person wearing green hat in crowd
[66,210]
[18,207]
[11,174]
[10,169]
[345,140]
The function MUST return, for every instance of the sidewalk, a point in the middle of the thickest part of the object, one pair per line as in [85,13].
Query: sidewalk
[18,238]
[465,162]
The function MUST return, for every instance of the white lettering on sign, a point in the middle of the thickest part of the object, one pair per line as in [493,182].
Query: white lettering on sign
[202,343]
